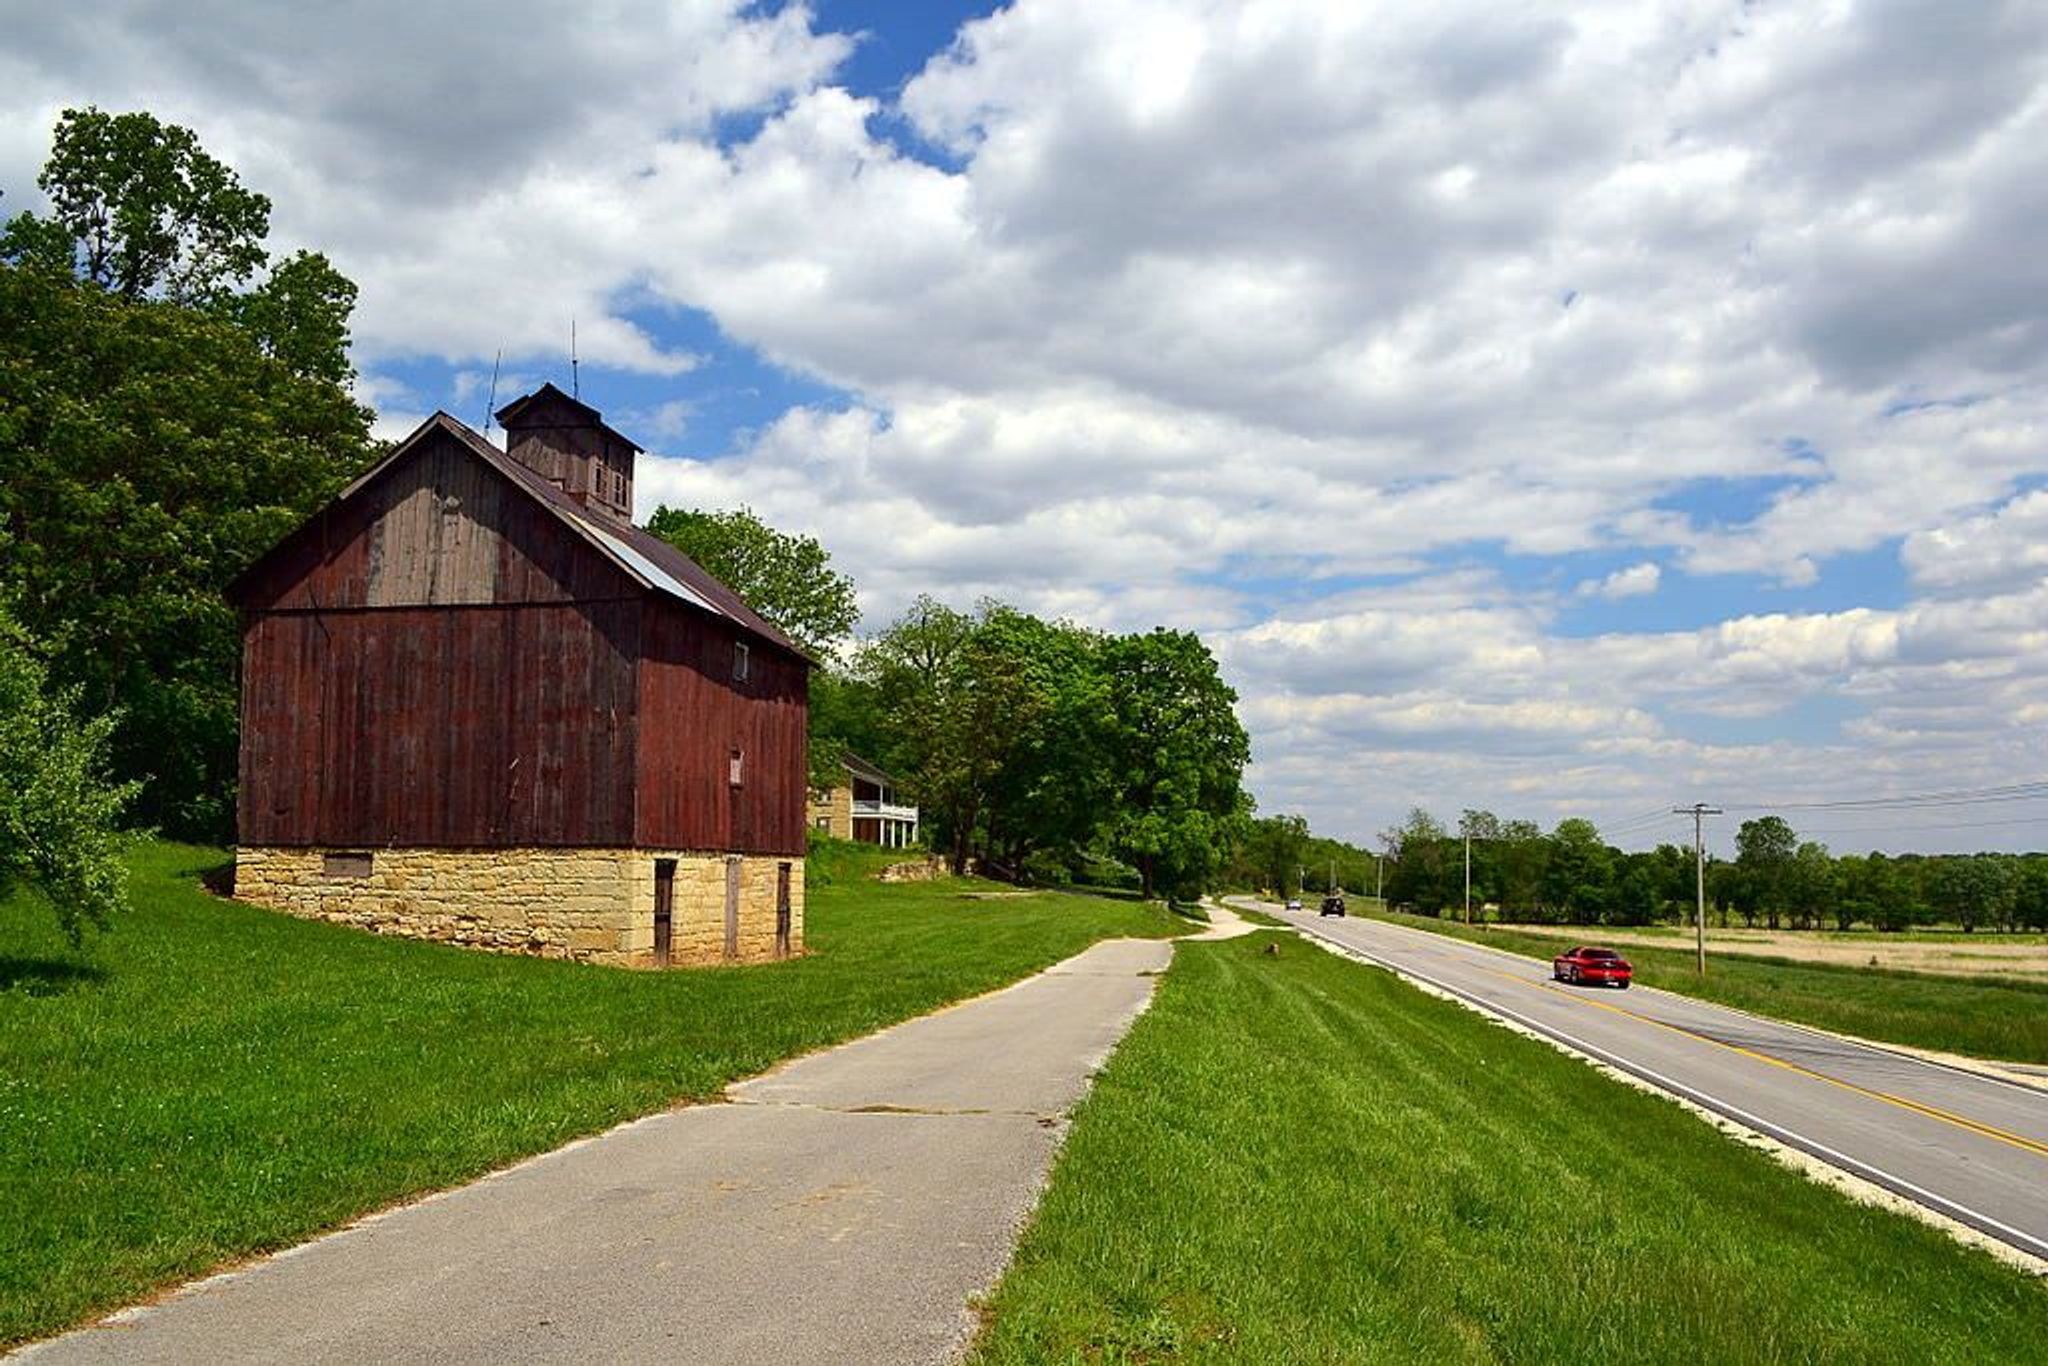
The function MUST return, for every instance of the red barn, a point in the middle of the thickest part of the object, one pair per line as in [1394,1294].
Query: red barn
[479,705]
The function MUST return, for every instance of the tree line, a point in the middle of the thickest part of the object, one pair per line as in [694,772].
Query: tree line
[1570,875]
[1280,854]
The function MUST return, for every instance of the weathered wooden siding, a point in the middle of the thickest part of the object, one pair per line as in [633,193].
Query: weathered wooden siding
[481,726]
[439,527]
[579,461]
[692,715]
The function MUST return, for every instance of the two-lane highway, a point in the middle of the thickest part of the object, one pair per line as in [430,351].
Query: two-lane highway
[1970,1146]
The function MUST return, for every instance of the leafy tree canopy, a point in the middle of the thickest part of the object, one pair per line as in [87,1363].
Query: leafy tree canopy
[299,317]
[148,452]
[1176,754]
[1766,842]
[1040,745]
[145,212]
[140,210]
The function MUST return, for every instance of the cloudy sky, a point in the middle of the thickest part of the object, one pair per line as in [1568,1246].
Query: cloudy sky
[1559,410]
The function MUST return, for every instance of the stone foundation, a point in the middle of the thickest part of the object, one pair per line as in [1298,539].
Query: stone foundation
[593,905]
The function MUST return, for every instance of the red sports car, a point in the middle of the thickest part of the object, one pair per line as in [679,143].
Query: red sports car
[1594,967]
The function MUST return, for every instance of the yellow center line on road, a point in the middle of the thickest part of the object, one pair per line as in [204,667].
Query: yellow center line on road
[2020,1141]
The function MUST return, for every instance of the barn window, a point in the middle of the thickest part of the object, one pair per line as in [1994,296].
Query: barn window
[346,865]
[733,767]
[742,661]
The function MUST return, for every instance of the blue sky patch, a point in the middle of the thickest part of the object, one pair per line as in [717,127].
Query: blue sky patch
[1730,501]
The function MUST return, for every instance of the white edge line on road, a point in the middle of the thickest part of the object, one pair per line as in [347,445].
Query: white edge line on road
[1966,1067]
[2012,1245]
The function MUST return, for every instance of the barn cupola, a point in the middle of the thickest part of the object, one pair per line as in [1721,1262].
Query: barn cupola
[564,441]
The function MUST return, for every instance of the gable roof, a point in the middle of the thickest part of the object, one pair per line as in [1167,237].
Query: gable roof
[645,558]
[548,393]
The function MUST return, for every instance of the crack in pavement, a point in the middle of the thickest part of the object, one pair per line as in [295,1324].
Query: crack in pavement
[885,1108]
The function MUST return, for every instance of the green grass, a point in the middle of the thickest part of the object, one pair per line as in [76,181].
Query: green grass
[212,1080]
[1295,1158]
[1983,1017]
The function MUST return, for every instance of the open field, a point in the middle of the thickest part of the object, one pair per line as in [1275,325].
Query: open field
[1985,1017]
[1299,1159]
[212,1080]
[2024,957]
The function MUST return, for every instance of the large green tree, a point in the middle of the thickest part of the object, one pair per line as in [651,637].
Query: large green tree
[1272,853]
[1635,900]
[912,673]
[1971,890]
[1176,754]
[1578,878]
[148,452]
[984,723]
[60,812]
[2030,894]
[1035,744]
[299,317]
[1522,854]
[997,721]
[138,208]
[1047,795]
[1426,872]
[160,426]
[1814,884]
[1890,893]
[1764,850]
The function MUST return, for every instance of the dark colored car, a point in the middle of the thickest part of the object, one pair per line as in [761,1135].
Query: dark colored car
[1592,967]
[1333,904]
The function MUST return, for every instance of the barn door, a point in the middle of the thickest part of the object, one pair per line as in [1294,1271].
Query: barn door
[732,906]
[782,910]
[664,909]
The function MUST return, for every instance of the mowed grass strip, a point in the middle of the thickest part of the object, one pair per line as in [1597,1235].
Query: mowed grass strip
[1983,1017]
[1302,1159]
[212,1080]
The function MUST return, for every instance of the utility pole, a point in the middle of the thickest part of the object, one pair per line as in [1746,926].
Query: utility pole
[1379,881]
[1699,811]
[1468,872]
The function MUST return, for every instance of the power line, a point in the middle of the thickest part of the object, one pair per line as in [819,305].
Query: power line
[1656,814]
[1641,822]
[1636,827]
[1944,825]
[2011,792]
